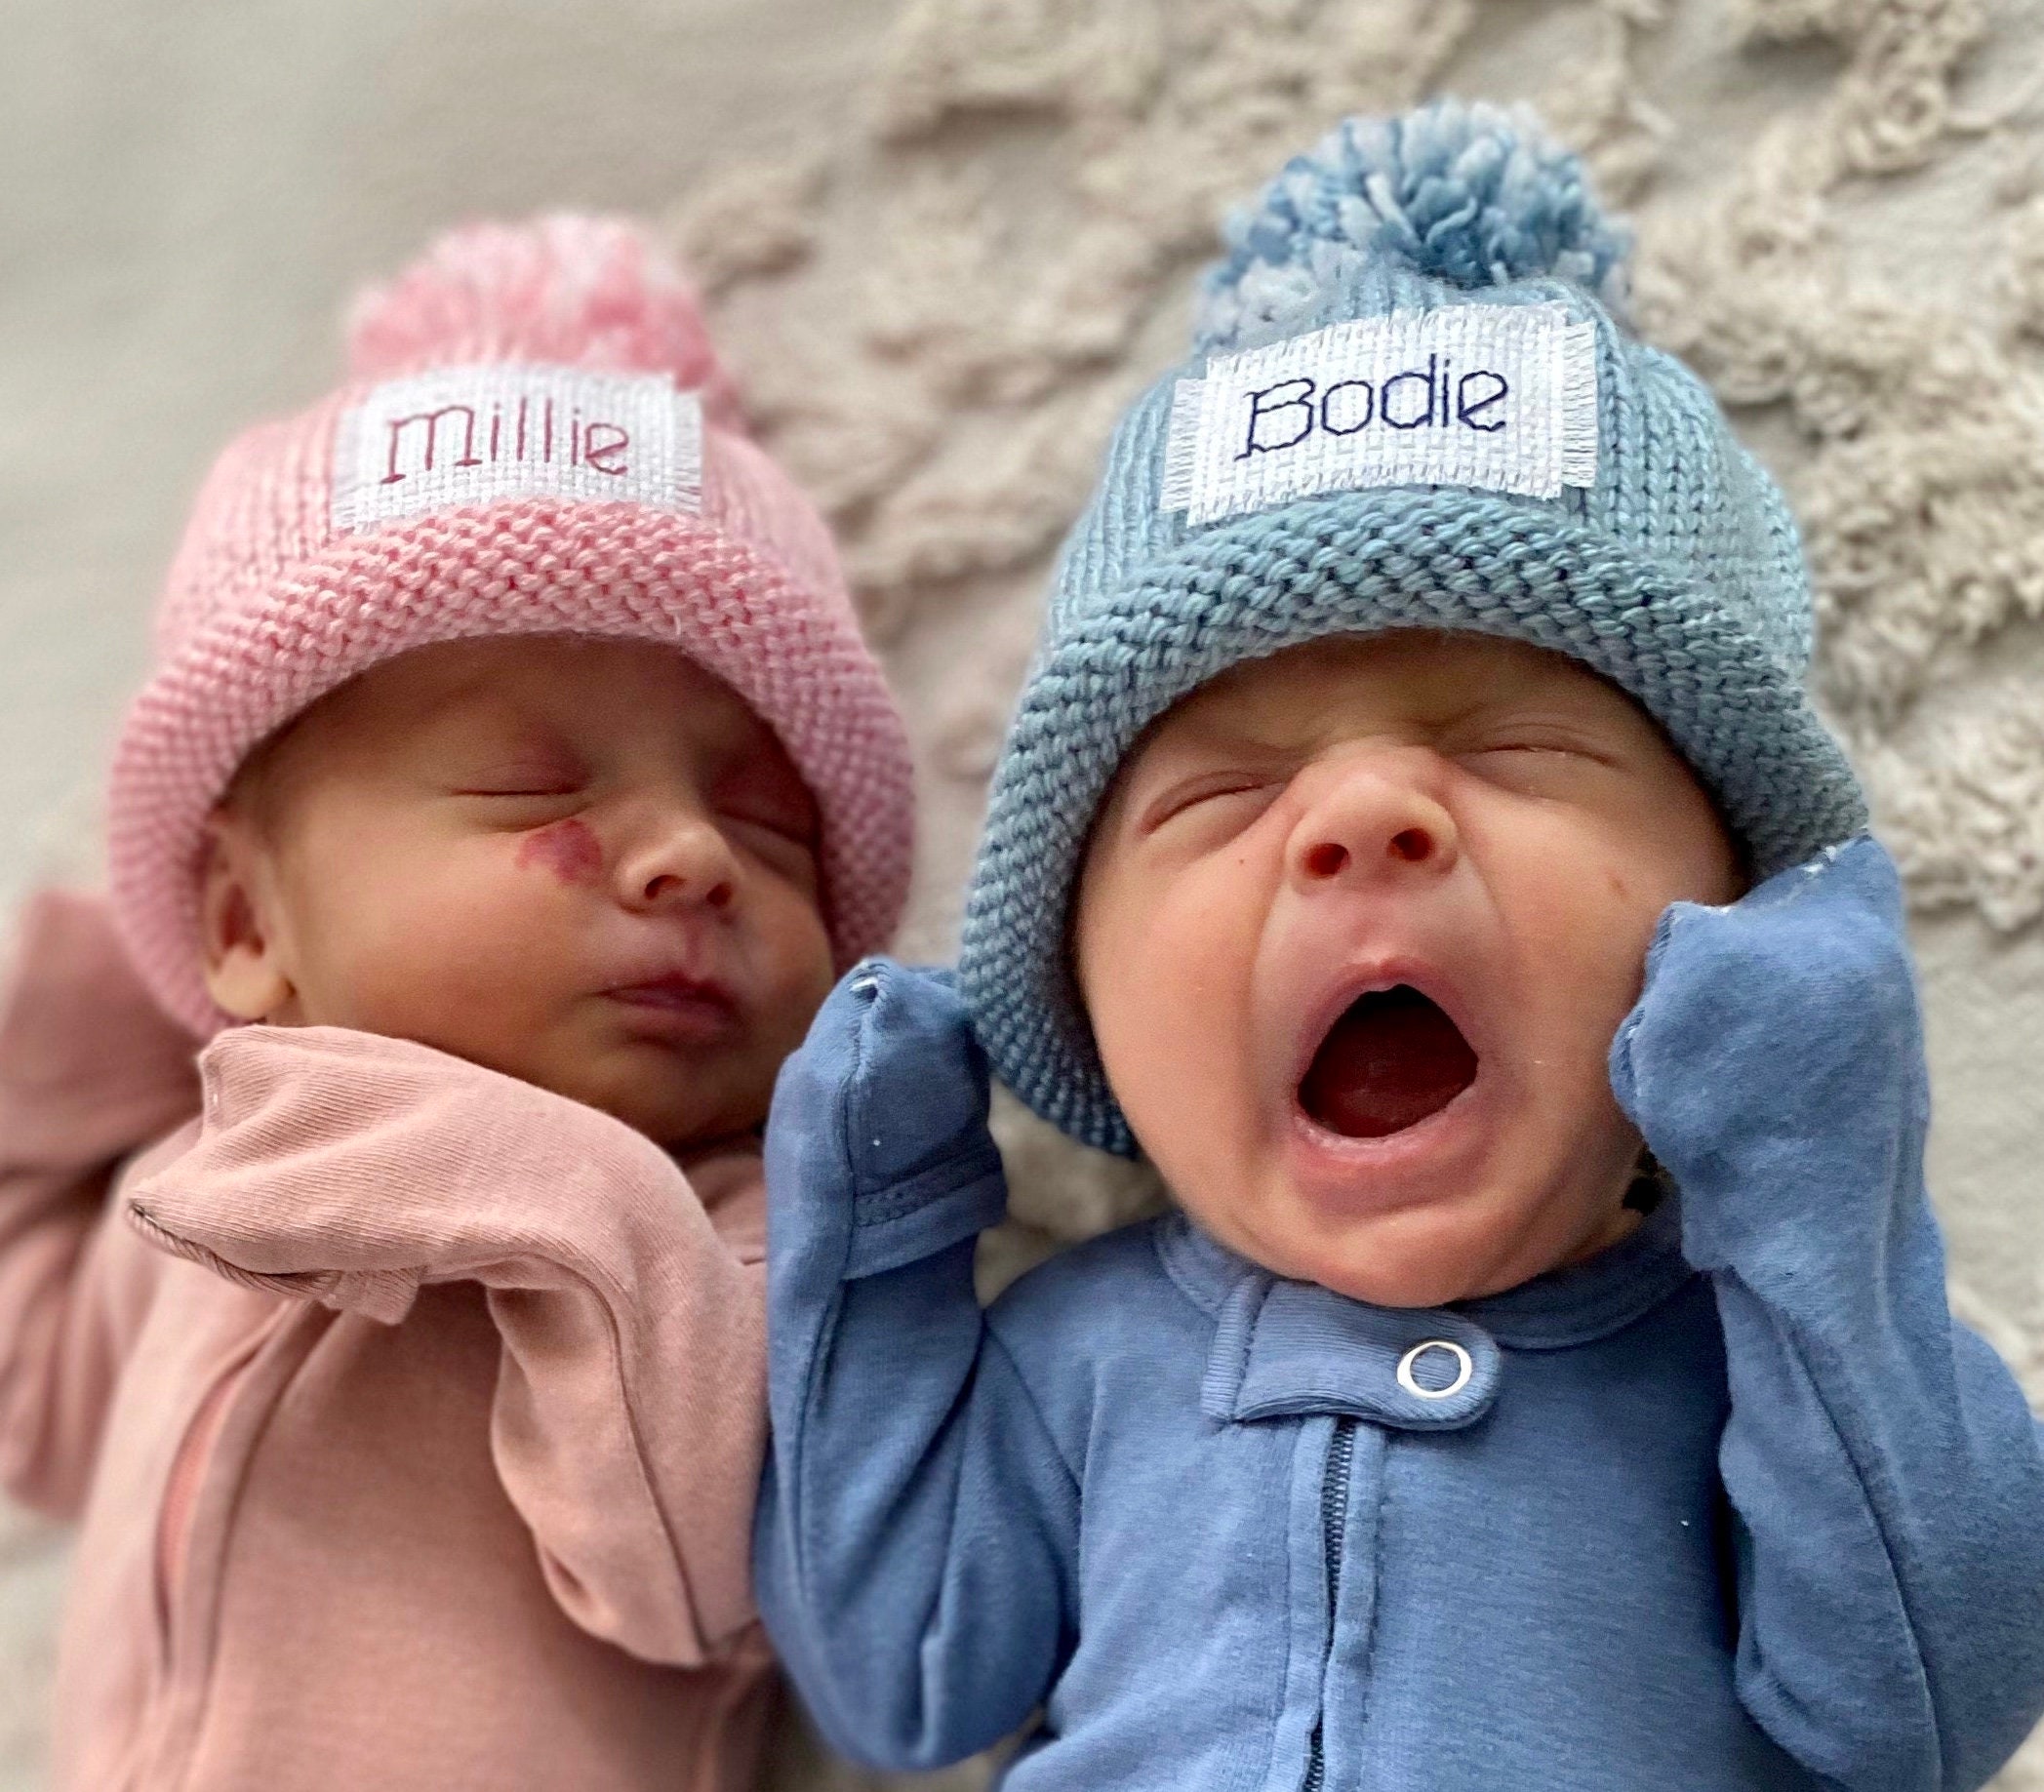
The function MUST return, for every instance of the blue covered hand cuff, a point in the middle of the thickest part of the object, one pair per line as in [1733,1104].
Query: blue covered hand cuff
[884,1109]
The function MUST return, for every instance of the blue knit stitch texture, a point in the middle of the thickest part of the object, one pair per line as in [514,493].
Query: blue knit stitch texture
[1678,576]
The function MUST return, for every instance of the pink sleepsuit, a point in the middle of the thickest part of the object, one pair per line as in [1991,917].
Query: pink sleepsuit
[413,1413]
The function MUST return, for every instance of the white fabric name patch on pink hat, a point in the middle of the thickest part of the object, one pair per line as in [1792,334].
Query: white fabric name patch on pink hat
[1490,397]
[481,434]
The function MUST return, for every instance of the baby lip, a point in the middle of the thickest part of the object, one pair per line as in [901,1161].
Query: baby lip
[679,994]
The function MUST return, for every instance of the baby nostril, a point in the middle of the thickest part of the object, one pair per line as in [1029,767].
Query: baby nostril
[1412,845]
[719,896]
[1327,860]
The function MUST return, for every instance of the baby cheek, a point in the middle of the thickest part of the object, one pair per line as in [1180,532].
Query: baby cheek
[569,849]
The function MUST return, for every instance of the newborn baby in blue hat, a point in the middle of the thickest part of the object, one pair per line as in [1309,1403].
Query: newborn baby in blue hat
[1416,840]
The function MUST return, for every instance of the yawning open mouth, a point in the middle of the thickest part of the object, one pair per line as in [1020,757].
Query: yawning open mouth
[1391,1059]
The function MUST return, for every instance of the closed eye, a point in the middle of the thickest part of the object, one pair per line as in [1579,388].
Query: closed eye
[1200,793]
[785,843]
[768,811]
[774,833]
[790,824]
[1558,750]
[546,776]
[1536,767]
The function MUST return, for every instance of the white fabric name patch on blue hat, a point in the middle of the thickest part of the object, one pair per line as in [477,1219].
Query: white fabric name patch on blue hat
[1499,398]
[486,433]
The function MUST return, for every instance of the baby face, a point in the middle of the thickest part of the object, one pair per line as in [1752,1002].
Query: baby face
[1356,928]
[588,864]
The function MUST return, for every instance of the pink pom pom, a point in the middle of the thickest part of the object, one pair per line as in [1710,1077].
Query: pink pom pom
[565,288]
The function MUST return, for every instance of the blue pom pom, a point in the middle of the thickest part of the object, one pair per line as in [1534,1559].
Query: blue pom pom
[1471,194]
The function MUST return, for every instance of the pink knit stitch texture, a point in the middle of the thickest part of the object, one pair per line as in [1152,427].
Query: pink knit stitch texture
[269,606]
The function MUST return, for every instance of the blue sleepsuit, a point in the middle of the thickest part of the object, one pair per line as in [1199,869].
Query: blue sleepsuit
[1735,1504]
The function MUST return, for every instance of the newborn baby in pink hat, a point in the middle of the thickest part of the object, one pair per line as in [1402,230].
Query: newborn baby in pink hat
[512,785]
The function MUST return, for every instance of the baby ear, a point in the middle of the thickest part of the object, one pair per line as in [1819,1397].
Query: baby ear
[244,968]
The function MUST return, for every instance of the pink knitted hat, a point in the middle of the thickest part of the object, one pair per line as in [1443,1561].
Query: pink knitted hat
[535,439]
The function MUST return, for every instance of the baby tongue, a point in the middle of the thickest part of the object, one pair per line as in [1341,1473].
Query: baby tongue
[1390,1061]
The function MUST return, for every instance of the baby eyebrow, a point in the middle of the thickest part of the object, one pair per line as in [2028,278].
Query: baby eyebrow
[498,734]
[517,767]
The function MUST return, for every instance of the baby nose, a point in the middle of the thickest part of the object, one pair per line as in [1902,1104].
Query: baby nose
[679,861]
[672,886]
[1330,857]
[1371,822]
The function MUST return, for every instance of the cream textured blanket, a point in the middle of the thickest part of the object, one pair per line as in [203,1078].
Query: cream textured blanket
[941,274]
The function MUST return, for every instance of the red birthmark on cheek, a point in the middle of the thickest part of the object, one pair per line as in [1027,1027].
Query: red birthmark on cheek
[568,848]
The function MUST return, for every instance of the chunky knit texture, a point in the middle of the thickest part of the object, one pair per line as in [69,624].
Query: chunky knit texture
[1678,574]
[269,606]
[1473,195]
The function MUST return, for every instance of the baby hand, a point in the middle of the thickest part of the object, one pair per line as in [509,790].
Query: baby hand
[1772,1029]
[348,1167]
[886,1104]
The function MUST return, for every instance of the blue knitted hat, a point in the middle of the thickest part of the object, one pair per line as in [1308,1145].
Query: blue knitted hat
[1410,406]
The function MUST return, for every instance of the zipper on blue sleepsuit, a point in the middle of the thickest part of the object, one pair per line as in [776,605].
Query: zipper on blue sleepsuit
[1333,1527]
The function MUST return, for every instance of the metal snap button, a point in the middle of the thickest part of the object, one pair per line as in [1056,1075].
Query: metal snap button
[1465,1368]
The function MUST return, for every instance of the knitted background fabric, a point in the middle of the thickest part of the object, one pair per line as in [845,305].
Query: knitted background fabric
[275,597]
[945,243]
